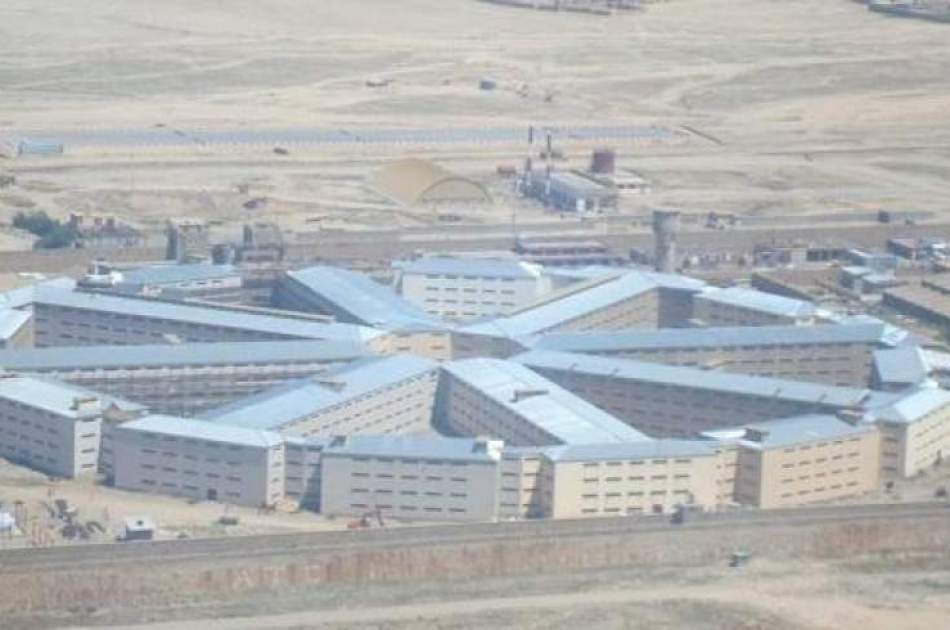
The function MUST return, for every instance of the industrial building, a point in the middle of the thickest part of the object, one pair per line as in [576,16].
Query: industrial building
[394,394]
[507,401]
[348,297]
[572,191]
[435,479]
[674,401]
[183,379]
[460,288]
[200,460]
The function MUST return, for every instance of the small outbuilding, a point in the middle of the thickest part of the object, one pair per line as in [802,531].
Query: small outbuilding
[138,528]
[413,182]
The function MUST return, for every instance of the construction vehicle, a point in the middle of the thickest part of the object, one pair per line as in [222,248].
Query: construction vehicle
[366,520]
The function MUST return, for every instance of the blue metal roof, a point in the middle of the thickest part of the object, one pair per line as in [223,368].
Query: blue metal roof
[759,301]
[11,321]
[470,267]
[175,274]
[905,365]
[186,428]
[631,451]
[410,447]
[722,337]
[914,405]
[579,300]
[360,298]
[221,317]
[694,378]
[558,412]
[48,395]
[287,402]
[224,353]
[802,430]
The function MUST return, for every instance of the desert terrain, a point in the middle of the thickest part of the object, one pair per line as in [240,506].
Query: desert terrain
[788,108]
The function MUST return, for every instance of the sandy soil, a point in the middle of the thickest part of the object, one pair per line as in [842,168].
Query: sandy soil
[109,507]
[817,106]
[869,593]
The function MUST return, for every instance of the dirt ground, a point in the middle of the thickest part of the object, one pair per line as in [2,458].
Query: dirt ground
[110,507]
[806,106]
[873,593]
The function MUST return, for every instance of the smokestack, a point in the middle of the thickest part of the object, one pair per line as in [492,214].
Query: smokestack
[530,134]
[665,225]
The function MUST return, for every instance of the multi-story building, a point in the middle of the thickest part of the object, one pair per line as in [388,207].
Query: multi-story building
[49,426]
[837,355]
[349,297]
[804,459]
[507,401]
[646,477]
[674,401]
[374,395]
[915,431]
[443,479]
[200,460]
[64,317]
[737,306]
[614,302]
[469,287]
[184,379]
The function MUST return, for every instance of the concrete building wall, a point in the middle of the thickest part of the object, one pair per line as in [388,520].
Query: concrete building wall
[464,410]
[434,345]
[460,297]
[199,469]
[187,390]
[661,410]
[402,407]
[56,325]
[409,488]
[521,486]
[303,472]
[715,313]
[639,486]
[59,445]
[809,472]
[909,448]
[842,364]
[639,311]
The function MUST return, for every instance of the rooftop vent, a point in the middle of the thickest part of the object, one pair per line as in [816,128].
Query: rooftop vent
[332,383]
[521,394]
[851,416]
[756,435]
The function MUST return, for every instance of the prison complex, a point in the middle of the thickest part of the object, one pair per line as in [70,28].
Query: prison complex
[538,393]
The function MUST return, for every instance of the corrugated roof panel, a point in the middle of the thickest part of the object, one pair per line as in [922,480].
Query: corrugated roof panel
[759,301]
[158,309]
[765,387]
[566,417]
[720,337]
[296,399]
[401,446]
[224,353]
[364,299]
[199,430]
